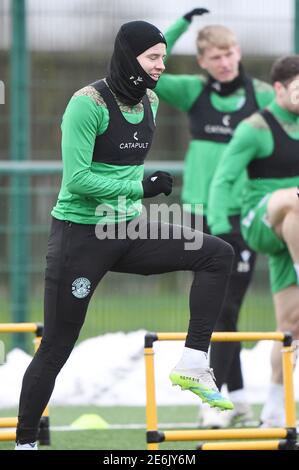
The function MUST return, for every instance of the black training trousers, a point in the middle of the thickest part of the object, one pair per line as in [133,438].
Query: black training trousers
[225,356]
[76,262]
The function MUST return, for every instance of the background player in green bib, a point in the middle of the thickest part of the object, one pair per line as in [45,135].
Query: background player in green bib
[267,145]
[215,106]
[107,131]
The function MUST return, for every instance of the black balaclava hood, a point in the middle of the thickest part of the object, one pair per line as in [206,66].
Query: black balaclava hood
[227,88]
[126,77]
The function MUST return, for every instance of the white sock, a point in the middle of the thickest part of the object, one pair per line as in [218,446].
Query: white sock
[193,359]
[238,396]
[295,345]
[276,392]
[31,446]
[275,402]
[296,267]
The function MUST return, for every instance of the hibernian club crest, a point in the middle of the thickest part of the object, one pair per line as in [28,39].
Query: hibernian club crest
[81,287]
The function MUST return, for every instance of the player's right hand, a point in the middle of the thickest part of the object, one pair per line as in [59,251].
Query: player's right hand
[157,183]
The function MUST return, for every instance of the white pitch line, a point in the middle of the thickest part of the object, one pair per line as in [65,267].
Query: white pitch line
[143,426]
[120,427]
[125,426]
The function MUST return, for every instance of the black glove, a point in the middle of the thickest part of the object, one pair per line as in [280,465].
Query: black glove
[157,183]
[196,11]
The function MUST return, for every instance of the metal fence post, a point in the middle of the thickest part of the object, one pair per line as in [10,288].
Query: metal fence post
[19,147]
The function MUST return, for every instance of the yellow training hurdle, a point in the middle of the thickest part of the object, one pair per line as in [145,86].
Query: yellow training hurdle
[285,438]
[44,428]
